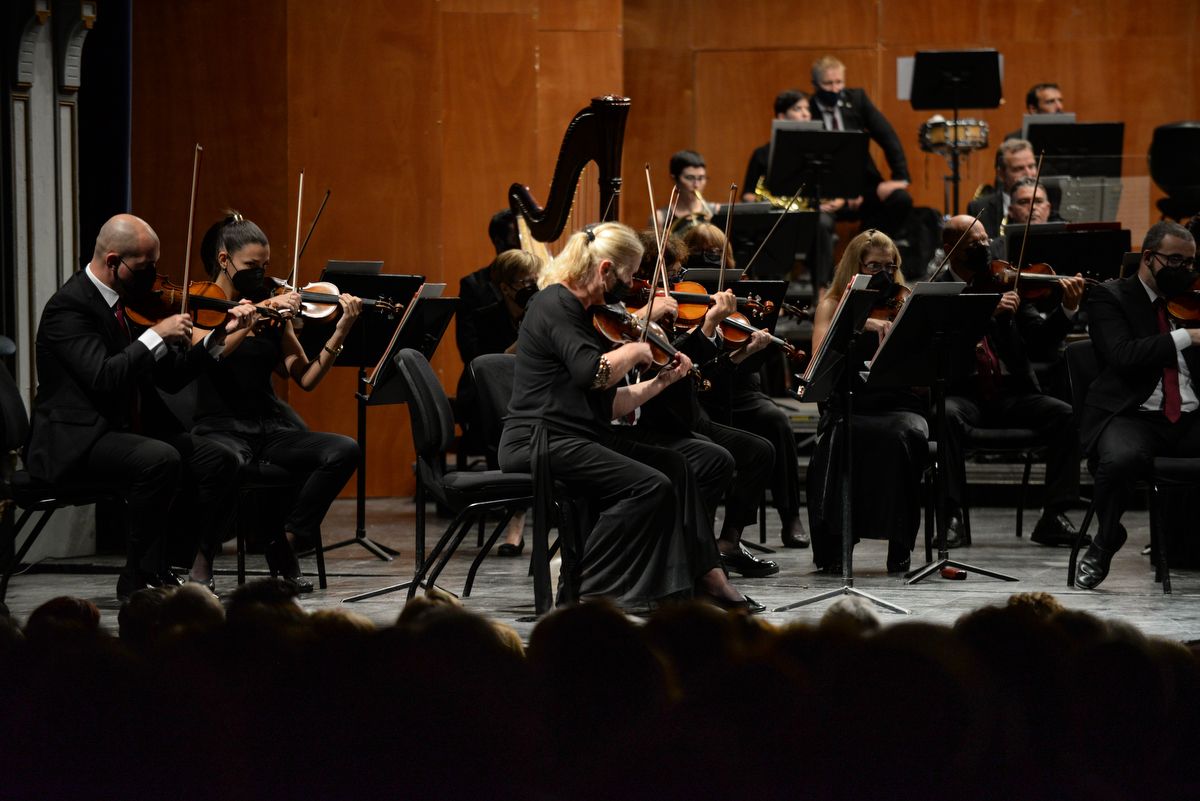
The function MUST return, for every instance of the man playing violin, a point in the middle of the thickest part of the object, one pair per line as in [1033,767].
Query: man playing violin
[98,416]
[1001,391]
[1143,402]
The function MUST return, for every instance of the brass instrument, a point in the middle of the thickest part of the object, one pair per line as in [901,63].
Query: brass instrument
[792,204]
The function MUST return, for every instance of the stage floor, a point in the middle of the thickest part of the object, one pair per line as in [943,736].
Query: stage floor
[504,592]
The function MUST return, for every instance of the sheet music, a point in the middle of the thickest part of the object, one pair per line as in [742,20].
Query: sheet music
[424,291]
[859,282]
[922,288]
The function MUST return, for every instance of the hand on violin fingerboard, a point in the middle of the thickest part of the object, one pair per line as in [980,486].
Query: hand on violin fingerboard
[758,340]
[673,373]
[724,304]
[351,308]
[1072,291]
[1008,305]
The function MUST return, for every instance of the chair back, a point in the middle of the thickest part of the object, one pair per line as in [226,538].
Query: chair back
[13,417]
[493,374]
[429,409]
[1082,369]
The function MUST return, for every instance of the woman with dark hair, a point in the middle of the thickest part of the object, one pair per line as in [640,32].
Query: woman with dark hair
[238,408]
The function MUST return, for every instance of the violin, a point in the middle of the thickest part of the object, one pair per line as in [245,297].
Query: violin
[694,301]
[1032,282]
[320,300]
[890,303]
[618,326]
[1184,308]
[205,301]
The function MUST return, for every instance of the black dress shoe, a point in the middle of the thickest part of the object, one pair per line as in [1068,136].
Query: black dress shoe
[1093,567]
[1056,531]
[130,582]
[209,584]
[282,562]
[747,564]
[831,569]
[747,604]
[169,580]
[956,532]
[508,549]
[794,535]
[899,566]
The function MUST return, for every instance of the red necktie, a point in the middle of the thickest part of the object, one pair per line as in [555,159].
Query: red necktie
[119,310]
[987,370]
[1172,402]
[135,399]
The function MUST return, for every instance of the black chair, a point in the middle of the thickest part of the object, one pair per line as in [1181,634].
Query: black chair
[19,490]
[467,493]
[1174,159]
[1023,441]
[1083,368]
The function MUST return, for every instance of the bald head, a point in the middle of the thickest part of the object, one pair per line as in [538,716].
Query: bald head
[955,228]
[124,239]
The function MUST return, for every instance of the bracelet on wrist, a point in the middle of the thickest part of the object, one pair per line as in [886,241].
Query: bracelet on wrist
[334,352]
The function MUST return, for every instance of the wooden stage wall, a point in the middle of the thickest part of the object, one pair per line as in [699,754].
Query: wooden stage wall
[419,114]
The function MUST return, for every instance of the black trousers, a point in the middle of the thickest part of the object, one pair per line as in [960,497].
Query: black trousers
[642,534]
[321,462]
[751,410]
[1050,417]
[1122,455]
[180,486]
[753,457]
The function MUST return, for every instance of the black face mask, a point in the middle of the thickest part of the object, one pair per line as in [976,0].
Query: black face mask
[882,281]
[250,283]
[619,291]
[138,284]
[1172,281]
[976,257]
[828,99]
[522,296]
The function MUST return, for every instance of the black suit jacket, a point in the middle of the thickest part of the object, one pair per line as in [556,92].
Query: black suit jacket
[860,114]
[88,376]
[990,210]
[1130,352]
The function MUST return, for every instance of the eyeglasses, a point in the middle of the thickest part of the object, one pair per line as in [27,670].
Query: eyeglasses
[146,265]
[876,267]
[1175,260]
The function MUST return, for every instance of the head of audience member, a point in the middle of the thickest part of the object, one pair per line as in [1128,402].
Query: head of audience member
[689,172]
[597,263]
[237,255]
[63,618]
[1023,207]
[1044,98]
[140,619]
[972,253]
[1168,264]
[793,104]
[704,242]
[1014,161]
[515,273]
[125,258]
[870,253]
[192,608]
[674,256]
[502,230]
[829,79]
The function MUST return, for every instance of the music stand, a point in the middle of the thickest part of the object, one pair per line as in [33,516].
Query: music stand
[362,348]
[934,334]
[753,223]
[955,79]
[1096,252]
[826,163]
[1082,150]
[829,366]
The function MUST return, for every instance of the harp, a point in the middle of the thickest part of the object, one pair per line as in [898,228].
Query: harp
[595,134]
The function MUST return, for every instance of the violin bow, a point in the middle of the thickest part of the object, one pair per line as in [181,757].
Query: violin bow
[1025,237]
[187,254]
[313,227]
[950,252]
[728,227]
[786,211]
[296,246]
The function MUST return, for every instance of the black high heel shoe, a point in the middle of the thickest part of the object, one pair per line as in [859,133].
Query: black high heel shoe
[282,562]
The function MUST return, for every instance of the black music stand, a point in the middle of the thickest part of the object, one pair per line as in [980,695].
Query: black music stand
[826,163]
[753,222]
[955,79]
[1096,252]
[829,367]
[364,345]
[1081,150]
[932,336]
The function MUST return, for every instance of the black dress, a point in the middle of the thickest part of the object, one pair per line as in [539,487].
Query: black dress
[237,407]
[890,438]
[638,503]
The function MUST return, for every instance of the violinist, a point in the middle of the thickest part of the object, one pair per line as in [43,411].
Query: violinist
[1027,208]
[890,433]
[690,175]
[1143,403]
[1000,390]
[98,417]
[675,419]
[640,537]
[237,407]
[737,400]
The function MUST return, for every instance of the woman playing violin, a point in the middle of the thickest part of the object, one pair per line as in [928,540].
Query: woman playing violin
[238,408]
[639,539]
[737,399]
[890,433]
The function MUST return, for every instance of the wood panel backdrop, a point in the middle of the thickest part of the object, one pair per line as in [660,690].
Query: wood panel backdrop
[419,114]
